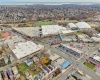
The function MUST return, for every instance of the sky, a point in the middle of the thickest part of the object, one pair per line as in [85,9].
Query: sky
[11,1]
[49,0]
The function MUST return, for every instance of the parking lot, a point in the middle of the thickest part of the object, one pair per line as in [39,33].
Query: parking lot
[50,40]
[83,47]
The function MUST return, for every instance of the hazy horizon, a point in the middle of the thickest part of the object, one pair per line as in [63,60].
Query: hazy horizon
[47,1]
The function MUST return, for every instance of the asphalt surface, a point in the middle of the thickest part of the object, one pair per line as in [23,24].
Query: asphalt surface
[75,64]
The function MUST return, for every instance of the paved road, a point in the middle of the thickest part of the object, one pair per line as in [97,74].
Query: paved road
[75,64]
[16,62]
[65,74]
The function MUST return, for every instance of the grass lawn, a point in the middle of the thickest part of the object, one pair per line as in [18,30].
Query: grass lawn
[32,66]
[31,72]
[23,67]
[28,25]
[1,37]
[20,72]
[25,25]
[37,24]
[79,33]
[2,32]
[91,66]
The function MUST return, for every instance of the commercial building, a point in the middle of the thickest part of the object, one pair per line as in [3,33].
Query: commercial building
[23,49]
[94,60]
[65,64]
[28,31]
[84,38]
[95,39]
[72,26]
[52,29]
[20,47]
[79,25]
[98,35]
[71,50]
[45,30]
[13,40]
[83,25]
[67,31]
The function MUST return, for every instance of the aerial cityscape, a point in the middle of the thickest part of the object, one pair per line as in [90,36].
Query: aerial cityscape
[57,40]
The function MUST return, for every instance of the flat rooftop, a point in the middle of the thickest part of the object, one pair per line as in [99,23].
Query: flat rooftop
[95,39]
[97,58]
[13,40]
[74,49]
[25,48]
[84,37]
[65,64]
[29,31]
[45,30]
[93,60]
[52,29]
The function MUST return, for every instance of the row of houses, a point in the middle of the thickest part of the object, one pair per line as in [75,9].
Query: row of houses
[47,73]
[10,73]
[57,65]
[52,70]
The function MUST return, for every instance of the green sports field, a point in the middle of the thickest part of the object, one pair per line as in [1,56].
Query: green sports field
[43,23]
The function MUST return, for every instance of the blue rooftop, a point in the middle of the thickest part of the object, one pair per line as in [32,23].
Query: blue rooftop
[65,64]
[9,72]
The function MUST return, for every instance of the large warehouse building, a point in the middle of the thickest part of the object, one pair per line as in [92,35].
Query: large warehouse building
[79,25]
[72,26]
[52,29]
[45,30]
[83,25]
[24,49]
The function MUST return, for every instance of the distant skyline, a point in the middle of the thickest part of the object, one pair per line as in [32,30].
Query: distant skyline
[27,1]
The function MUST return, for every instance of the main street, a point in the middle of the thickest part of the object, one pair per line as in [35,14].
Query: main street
[75,64]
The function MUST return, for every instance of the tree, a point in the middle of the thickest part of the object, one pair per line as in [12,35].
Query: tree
[98,29]
[89,33]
